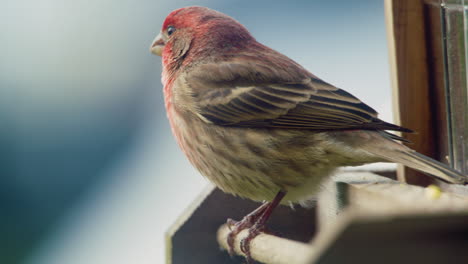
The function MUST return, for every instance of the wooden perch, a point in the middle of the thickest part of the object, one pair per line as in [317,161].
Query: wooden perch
[410,79]
[268,248]
[193,237]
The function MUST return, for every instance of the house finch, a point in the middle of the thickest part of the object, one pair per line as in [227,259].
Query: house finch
[257,124]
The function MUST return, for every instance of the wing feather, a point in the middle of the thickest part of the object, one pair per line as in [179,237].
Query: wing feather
[264,99]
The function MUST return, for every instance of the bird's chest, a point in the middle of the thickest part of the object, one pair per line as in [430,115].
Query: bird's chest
[250,163]
[222,156]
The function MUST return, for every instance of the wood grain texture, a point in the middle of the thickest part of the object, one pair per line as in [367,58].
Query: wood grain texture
[410,79]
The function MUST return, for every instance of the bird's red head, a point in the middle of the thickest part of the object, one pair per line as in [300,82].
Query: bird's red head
[198,31]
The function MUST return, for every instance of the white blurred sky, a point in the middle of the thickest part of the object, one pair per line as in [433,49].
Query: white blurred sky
[123,218]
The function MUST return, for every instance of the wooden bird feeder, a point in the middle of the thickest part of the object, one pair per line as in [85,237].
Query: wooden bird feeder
[370,217]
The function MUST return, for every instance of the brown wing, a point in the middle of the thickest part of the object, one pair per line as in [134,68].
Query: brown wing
[231,94]
[296,106]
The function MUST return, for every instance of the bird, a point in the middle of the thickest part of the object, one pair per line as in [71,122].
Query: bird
[260,126]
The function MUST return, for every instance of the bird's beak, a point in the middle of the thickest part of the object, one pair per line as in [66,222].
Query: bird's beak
[158,45]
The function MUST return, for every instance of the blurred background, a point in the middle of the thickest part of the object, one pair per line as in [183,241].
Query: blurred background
[89,171]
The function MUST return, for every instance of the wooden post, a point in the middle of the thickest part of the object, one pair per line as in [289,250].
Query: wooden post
[410,79]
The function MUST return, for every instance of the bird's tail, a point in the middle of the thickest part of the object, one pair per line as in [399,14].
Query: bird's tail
[396,152]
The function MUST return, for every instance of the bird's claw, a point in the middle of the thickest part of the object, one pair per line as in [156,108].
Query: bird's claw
[255,222]
[230,223]
[236,227]
[254,229]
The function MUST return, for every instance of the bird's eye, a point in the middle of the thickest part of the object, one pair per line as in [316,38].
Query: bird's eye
[170,30]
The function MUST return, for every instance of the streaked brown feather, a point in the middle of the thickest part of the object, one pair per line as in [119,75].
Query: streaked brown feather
[258,90]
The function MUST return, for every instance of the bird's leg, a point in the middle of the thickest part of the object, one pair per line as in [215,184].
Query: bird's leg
[255,222]
[259,225]
[237,226]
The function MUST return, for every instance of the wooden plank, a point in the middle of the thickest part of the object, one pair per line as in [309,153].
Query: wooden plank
[410,80]
[193,237]
[386,221]
[388,239]
[396,198]
[376,194]
[335,198]
[363,210]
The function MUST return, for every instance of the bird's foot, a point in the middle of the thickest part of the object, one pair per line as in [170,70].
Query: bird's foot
[255,222]
[254,231]
[247,222]
[254,226]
